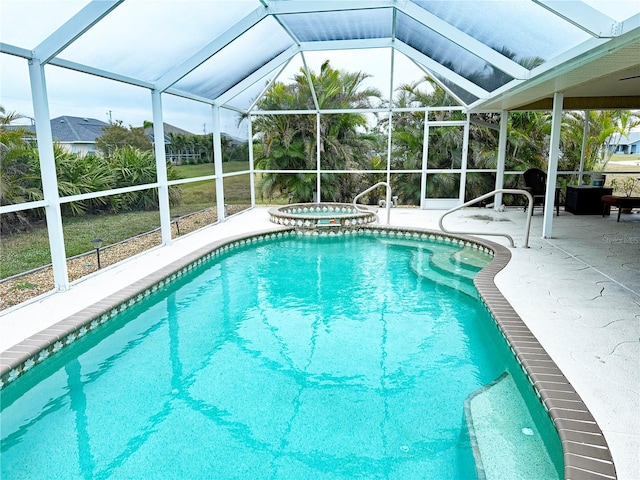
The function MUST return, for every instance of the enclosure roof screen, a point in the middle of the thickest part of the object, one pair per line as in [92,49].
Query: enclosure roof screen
[488,54]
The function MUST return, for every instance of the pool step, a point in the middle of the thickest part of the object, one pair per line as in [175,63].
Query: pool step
[451,262]
[422,263]
[503,435]
[472,257]
[450,265]
[461,256]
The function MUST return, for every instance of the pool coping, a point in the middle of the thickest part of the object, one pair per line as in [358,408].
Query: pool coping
[585,450]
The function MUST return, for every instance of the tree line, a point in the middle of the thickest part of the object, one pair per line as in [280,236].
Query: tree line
[182,148]
[124,158]
[349,141]
[353,141]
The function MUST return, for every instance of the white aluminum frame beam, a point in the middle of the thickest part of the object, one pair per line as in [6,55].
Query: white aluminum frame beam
[465,41]
[310,81]
[221,41]
[583,148]
[369,110]
[217,162]
[252,166]
[356,44]
[17,207]
[78,67]
[189,96]
[49,175]
[583,16]
[98,72]
[258,75]
[441,70]
[423,169]
[268,84]
[283,26]
[389,145]
[318,198]
[311,6]
[161,167]
[502,156]
[442,85]
[464,162]
[552,172]
[15,51]
[73,28]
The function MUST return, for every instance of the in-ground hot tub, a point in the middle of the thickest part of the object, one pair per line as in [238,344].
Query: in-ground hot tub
[314,215]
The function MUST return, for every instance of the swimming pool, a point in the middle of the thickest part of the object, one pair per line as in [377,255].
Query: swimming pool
[301,357]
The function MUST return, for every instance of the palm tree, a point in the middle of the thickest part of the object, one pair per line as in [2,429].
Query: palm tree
[528,140]
[289,142]
[177,145]
[445,143]
[19,174]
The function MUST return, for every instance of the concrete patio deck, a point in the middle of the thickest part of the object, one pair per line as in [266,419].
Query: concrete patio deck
[578,292]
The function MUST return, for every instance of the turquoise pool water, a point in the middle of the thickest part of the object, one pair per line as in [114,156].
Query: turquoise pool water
[305,357]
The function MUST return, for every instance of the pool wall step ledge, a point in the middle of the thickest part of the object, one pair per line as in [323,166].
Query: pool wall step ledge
[586,454]
[504,438]
[452,266]
[585,451]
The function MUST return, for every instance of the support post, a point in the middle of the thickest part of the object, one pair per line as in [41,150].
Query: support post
[552,172]
[48,174]
[425,156]
[388,176]
[583,151]
[318,198]
[217,161]
[464,162]
[502,155]
[161,167]
[252,180]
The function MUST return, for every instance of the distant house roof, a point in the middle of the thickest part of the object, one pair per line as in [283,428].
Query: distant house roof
[68,129]
[168,129]
[76,129]
[633,137]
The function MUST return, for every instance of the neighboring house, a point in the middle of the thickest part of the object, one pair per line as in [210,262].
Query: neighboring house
[75,134]
[189,146]
[171,155]
[627,145]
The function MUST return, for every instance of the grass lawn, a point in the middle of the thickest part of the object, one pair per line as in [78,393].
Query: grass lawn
[24,251]
[200,195]
[623,163]
[618,157]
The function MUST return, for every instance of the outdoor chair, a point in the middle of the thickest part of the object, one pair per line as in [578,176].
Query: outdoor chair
[535,181]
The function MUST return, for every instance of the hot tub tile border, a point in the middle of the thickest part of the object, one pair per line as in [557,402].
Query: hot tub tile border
[585,450]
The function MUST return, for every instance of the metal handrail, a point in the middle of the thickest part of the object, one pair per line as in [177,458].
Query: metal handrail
[388,203]
[491,194]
